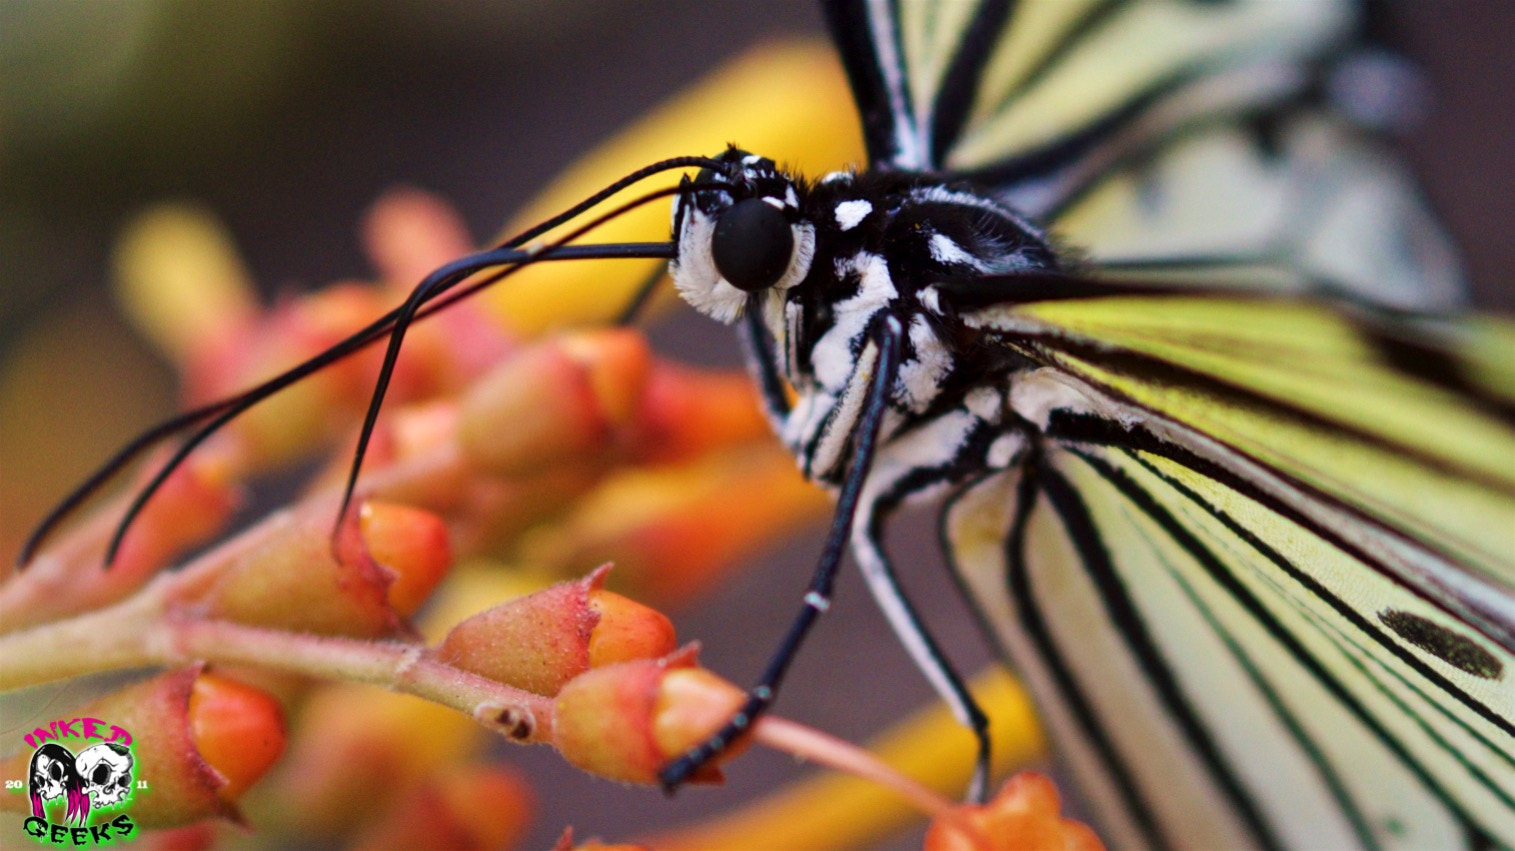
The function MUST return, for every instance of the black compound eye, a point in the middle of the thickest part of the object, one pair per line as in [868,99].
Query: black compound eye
[752,245]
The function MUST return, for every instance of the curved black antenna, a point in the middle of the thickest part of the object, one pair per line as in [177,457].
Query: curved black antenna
[636,176]
[436,284]
[216,414]
[370,335]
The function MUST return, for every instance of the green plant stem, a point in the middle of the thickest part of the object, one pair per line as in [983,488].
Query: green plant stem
[143,631]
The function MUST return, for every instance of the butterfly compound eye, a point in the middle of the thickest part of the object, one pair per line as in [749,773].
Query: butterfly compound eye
[752,245]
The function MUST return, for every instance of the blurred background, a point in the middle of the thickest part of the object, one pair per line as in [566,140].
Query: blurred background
[288,118]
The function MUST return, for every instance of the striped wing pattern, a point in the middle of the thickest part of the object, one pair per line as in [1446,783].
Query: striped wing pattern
[1169,137]
[1258,570]
[1236,643]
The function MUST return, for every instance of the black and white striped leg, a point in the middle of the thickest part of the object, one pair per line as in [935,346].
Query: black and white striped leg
[886,335]
[927,654]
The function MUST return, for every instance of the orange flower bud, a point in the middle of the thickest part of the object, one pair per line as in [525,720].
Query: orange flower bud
[627,721]
[467,807]
[1024,814]
[410,542]
[238,729]
[170,781]
[557,401]
[672,530]
[543,640]
[688,412]
[293,581]
[626,630]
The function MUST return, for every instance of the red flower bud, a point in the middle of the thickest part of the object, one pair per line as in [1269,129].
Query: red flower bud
[410,542]
[1023,815]
[238,729]
[543,640]
[293,581]
[627,721]
[558,401]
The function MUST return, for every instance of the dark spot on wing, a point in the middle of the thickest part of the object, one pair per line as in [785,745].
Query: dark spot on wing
[1459,651]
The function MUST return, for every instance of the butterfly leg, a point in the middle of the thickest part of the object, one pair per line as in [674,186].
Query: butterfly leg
[886,335]
[867,548]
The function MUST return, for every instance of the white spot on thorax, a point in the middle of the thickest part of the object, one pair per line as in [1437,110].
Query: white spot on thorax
[945,250]
[850,213]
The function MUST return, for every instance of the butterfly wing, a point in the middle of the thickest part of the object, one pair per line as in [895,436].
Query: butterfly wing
[1261,576]
[1180,139]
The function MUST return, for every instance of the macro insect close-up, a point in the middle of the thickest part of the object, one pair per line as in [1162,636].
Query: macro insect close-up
[1148,434]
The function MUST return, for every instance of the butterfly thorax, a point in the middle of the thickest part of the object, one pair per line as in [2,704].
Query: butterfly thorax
[842,253]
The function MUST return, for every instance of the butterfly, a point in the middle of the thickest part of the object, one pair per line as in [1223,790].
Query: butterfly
[1125,290]
[1245,526]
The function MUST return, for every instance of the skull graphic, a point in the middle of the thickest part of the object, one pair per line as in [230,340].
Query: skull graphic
[106,771]
[52,773]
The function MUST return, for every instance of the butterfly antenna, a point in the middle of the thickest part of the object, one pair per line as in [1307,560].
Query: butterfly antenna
[211,417]
[449,276]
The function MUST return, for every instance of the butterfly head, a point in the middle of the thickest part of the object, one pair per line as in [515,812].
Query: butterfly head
[741,235]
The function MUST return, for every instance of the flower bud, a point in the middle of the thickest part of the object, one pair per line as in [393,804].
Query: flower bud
[66,579]
[1024,814]
[688,412]
[179,278]
[192,504]
[296,421]
[407,233]
[238,729]
[554,402]
[292,580]
[193,747]
[627,721]
[672,530]
[543,640]
[412,544]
